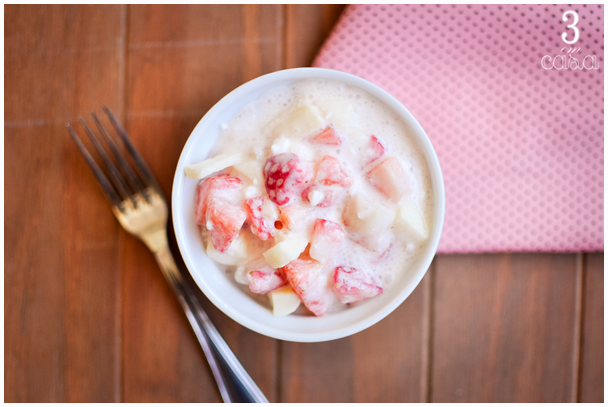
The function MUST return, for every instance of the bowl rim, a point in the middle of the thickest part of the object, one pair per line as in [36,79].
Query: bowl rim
[422,141]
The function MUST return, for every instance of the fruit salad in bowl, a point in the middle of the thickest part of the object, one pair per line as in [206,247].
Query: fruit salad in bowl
[310,197]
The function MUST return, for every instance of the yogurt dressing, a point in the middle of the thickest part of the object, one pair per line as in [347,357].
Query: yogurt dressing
[355,115]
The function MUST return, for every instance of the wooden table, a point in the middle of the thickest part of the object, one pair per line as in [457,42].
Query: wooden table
[88,316]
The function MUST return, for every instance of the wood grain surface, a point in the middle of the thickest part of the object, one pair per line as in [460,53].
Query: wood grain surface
[62,279]
[591,379]
[512,338]
[88,316]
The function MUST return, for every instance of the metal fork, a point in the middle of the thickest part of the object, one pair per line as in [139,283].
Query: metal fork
[140,207]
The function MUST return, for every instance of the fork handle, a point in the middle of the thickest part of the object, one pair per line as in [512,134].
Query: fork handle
[234,383]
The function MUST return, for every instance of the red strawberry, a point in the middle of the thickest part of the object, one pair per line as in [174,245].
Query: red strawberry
[327,238]
[262,224]
[328,195]
[332,172]
[222,186]
[265,280]
[328,137]
[296,219]
[331,179]
[200,212]
[286,175]
[374,151]
[351,284]
[389,178]
[291,216]
[304,275]
[219,208]
[224,221]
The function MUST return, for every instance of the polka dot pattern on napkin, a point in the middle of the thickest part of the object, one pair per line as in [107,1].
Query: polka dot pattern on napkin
[521,146]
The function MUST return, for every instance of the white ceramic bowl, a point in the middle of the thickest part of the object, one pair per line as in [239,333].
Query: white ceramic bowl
[223,291]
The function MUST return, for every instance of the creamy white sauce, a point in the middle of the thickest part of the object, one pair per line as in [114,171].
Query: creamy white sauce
[355,115]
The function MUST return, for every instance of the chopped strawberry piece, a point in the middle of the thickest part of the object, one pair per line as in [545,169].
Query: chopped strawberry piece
[328,137]
[304,275]
[375,150]
[291,216]
[351,284]
[219,209]
[327,238]
[296,219]
[265,280]
[200,213]
[332,172]
[321,195]
[260,215]
[286,175]
[389,178]
[222,186]
[331,179]
[224,220]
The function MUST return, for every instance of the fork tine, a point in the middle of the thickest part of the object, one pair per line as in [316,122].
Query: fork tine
[139,161]
[119,182]
[107,187]
[133,179]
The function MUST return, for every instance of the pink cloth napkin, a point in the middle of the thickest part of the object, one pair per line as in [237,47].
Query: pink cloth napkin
[521,146]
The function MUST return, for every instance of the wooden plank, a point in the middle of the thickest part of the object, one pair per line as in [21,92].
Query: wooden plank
[307,26]
[62,282]
[384,363]
[162,361]
[182,60]
[577,327]
[61,61]
[503,328]
[317,372]
[390,357]
[179,65]
[591,379]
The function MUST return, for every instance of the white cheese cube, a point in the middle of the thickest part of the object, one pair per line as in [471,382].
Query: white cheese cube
[364,218]
[302,122]
[410,222]
[251,170]
[284,301]
[280,145]
[338,112]
[285,251]
[240,275]
[341,115]
[302,150]
[315,197]
[211,165]
[238,253]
